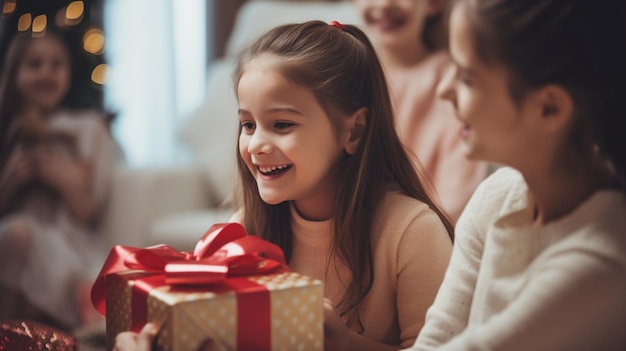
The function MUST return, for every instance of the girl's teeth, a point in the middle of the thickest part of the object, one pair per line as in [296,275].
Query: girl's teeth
[271,169]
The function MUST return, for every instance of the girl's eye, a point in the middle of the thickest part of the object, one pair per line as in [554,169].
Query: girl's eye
[34,63]
[248,126]
[56,64]
[283,125]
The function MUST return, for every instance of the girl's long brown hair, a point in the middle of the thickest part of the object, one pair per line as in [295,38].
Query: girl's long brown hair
[342,70]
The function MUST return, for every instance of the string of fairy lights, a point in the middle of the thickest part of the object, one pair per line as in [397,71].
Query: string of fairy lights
[93,40]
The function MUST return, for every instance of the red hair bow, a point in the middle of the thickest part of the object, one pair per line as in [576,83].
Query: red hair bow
[337,25]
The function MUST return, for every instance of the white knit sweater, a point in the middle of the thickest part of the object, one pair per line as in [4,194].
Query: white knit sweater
[513,286]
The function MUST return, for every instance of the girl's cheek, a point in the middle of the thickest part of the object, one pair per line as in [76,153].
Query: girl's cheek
[243,144]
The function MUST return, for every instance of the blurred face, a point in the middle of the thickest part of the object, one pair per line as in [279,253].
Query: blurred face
[287,140]
[493,126]
[43,76]
[395,23]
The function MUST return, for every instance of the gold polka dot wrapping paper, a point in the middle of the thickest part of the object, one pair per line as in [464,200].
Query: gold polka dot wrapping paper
[189,318]
[234,292]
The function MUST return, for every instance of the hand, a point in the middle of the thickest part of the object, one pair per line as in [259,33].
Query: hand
[71,178]
[60,172]
[131,341]
[336,333]
[142,341]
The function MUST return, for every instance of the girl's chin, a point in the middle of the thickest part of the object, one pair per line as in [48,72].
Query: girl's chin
[272,200]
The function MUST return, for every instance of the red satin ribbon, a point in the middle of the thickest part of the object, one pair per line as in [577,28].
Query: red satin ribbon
[224,251]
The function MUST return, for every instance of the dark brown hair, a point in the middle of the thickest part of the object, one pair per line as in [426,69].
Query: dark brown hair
[343,72]
[577,44]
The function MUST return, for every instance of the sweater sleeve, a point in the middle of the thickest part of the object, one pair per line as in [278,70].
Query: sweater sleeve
[574,302]
[448,316]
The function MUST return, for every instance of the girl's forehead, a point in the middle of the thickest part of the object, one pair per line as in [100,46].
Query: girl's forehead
[46,45]
[264,61]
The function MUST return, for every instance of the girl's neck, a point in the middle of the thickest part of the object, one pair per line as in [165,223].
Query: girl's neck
[42,113]
[313,213]
[556,193]
[400,58]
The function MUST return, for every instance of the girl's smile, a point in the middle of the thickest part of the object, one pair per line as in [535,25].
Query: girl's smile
[387,22]
[465,131]
[395,23]
[272,171]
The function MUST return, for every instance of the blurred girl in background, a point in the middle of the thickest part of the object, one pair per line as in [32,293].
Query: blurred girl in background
[409,37]
[55,172]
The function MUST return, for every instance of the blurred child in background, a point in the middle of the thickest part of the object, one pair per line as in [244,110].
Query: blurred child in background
[409,38]
[55,172]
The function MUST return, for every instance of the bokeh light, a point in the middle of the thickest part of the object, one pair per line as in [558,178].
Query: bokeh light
[39,24]
[8,8]
[23,24]
[93,41]
[100,74]
[74,10]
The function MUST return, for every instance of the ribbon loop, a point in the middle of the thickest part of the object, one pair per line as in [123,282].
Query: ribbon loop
[225,250]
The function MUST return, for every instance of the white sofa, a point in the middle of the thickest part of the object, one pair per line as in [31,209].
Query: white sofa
[177,205]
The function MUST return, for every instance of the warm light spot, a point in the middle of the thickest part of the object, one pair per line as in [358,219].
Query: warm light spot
[100,74]
[74,10]
[8,7]
[93,41]
[24,22]
[39,24]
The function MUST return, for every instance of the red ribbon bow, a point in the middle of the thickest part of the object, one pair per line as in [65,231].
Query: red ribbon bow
[223,251]
[337,24]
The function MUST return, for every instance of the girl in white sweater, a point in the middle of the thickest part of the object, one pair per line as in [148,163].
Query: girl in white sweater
[539,261]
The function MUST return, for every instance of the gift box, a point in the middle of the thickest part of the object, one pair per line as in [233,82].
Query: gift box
[234,291]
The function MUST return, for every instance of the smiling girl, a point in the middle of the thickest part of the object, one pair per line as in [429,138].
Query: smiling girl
[325,176]
[539,261]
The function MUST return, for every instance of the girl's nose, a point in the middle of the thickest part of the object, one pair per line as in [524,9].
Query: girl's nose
[259,142]
[445,88]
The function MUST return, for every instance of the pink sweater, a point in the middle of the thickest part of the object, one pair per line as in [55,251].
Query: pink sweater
[427,126]
[411,251]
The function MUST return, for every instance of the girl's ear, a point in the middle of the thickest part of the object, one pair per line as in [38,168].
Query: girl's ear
[355,130]
[555,108]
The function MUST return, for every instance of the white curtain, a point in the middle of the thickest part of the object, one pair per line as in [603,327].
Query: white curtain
[157,52]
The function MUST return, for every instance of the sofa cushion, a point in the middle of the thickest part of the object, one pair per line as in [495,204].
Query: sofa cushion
[183,230]
[211,132]
[256,17]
